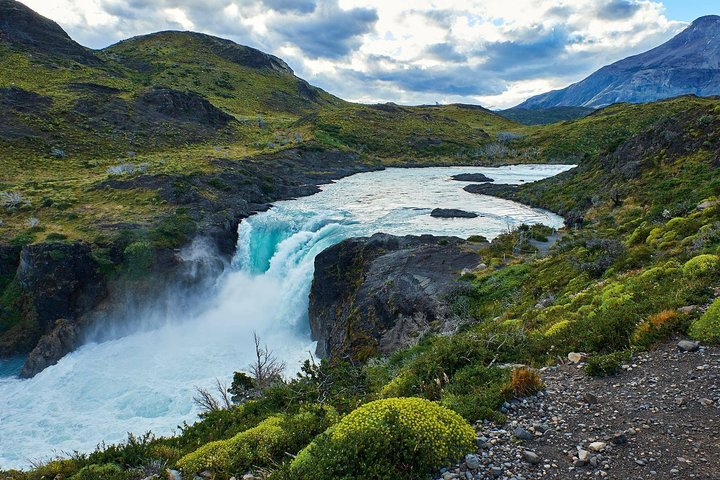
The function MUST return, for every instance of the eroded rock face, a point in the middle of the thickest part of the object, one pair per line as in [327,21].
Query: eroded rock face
[62,339]
[382,293]
[62,280]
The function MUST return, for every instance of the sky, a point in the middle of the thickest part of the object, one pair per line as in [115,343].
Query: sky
[495,53]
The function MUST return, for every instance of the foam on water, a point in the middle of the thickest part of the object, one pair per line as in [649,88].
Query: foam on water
[146,381]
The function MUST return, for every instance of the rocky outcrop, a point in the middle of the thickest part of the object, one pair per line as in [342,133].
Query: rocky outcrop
[166,103]
[61,280]
[62,339]
[382,293]
[452,213]
[472,177]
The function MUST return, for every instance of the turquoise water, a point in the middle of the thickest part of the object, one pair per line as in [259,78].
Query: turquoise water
[146,381]
[10,367]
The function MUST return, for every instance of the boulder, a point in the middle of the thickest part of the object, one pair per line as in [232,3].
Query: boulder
[452,213]
[472,177]
[688,346]
[63,339]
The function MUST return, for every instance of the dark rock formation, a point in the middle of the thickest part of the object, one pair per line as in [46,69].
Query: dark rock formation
[381,293]
[61,340]
[22,27]
[182,106]
[452,213]
[63,280]
[687,64]
[472,177]
[497,190]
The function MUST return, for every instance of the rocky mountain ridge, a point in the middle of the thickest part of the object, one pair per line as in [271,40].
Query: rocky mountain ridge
[689,63]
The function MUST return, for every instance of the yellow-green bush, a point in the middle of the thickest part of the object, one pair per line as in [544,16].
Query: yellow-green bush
[396,438]
[261,445]
[702,266]
[707,327]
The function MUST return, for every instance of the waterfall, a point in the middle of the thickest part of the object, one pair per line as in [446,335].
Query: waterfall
[146,380]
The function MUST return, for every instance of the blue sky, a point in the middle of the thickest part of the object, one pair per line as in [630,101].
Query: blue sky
[495,53]
[689,10]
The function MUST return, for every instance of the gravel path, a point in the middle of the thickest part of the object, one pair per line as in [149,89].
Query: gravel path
[658,419]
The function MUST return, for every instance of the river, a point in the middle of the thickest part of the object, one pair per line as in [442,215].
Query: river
[146,381]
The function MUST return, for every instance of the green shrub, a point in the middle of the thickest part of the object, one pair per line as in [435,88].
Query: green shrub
[702,266]
[396,438]
[604,365]
[260,445]
[108,471]
[707,327]
[138,258]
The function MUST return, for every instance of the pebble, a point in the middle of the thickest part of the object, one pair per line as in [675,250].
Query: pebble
[531,457]
[688,346]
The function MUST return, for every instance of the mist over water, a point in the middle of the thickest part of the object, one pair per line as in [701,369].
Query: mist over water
[146,380]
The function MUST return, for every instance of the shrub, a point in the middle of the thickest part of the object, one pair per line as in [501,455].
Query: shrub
[476,391]
[108,471]
[260,445]
[524,382]
[702,266]
[139,257]
[655,328]
[397,438]
[604,365]
[707,327]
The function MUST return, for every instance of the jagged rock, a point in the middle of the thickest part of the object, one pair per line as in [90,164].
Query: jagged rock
[381,293]
[472,177]
[452,213]
[63,339]
[688,346]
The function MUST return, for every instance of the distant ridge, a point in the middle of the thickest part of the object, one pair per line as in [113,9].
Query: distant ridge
[22,27]
[689,63]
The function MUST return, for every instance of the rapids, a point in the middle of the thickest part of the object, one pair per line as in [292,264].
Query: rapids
[146,380]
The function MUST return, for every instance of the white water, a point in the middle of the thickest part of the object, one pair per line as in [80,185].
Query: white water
[146,381]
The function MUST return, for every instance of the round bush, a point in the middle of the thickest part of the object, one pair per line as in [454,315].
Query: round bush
[702,266]
[261,445]
[395,438]
[707,327]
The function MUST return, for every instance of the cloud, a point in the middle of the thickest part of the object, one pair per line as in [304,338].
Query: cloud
[299,6]
[445,52]
[618,10]
[330,32]
[489,51]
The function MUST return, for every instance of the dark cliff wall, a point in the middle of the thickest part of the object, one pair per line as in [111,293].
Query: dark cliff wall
[381,293]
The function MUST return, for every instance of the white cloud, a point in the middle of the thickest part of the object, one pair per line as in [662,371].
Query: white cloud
[494,52]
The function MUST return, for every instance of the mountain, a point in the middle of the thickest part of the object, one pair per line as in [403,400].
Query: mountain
[687,64]
[544,116]
[22,28]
